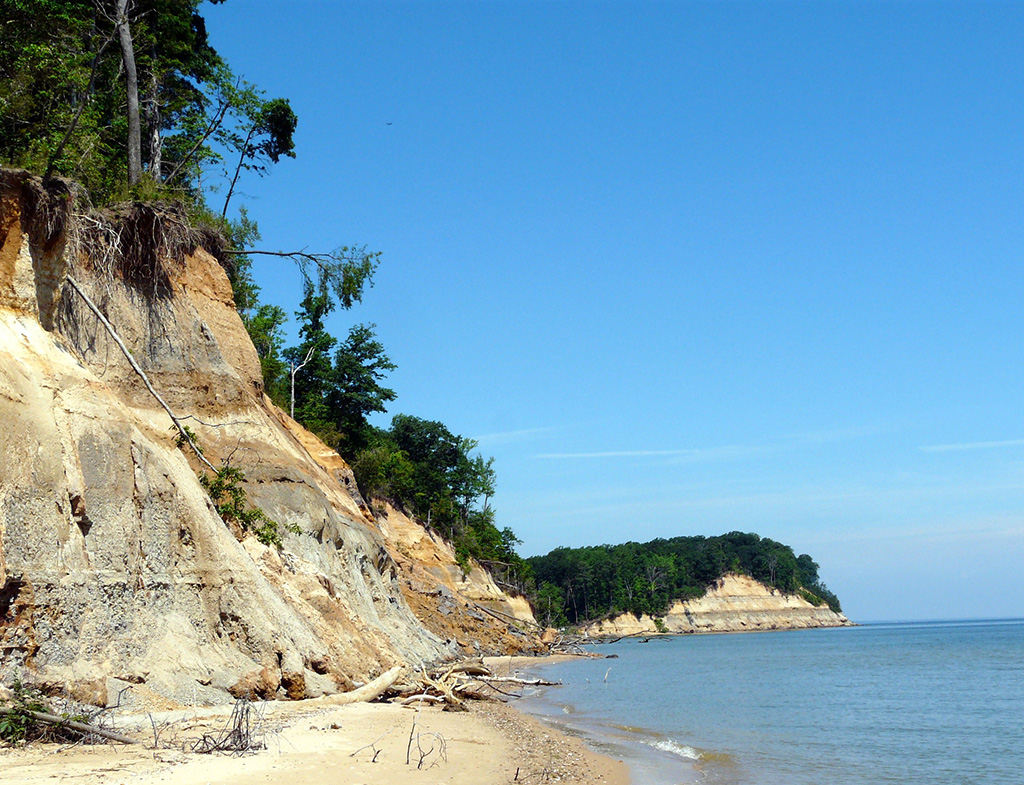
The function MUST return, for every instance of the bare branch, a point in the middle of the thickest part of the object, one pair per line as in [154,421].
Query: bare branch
[238,169]
[142,374]
[213,126]
[295,369]
[321,260]
[347,270]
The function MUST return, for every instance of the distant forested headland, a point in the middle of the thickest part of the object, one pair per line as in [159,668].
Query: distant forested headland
[581,584]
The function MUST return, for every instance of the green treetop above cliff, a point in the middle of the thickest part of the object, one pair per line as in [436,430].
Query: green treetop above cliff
[129,98]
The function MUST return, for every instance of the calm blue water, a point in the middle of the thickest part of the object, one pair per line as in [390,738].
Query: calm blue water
[938,703]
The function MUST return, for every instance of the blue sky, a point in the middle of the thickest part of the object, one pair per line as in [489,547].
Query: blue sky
[686,267]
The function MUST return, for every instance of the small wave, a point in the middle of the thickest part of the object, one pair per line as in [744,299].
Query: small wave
[568,710]
[632,729]
[681,750]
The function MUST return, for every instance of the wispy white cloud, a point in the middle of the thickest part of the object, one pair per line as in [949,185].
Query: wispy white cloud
[514,436]
[972,446]
[727,451]
[856,508]
[683,455]
[977,529]
[826,436]
[617,454]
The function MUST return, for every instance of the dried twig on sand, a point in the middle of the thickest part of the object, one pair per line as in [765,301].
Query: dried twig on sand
[435,743]
[243,733]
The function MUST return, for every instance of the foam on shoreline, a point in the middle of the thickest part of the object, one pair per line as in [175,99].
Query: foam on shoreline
[652,759]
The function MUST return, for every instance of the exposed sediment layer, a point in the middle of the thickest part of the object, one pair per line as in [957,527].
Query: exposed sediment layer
[737,603]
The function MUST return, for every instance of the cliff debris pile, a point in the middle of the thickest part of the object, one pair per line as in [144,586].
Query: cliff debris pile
[115,569]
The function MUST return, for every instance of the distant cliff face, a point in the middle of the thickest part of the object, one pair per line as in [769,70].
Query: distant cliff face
[737,603]
[115,569]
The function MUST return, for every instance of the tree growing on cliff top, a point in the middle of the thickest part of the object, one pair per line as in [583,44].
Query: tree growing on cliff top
[434,475]
[360,367]
[112,92]
[309,389]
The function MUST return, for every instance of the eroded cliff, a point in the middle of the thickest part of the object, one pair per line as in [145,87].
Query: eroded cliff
[115,568]
[737,603]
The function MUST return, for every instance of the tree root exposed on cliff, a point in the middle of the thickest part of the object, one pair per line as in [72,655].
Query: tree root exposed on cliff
[182,430]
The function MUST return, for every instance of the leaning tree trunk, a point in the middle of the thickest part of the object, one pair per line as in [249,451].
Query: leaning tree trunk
[124,34]
[238,169]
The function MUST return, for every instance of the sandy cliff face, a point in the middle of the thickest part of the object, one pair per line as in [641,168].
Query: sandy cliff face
[468,610]
[737,603]
[114,567]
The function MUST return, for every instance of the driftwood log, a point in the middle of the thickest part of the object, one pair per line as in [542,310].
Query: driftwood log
[80,727]
[453,684]
[514,680]
[368,692]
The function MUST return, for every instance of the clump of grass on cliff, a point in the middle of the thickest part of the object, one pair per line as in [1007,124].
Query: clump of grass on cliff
[227,491]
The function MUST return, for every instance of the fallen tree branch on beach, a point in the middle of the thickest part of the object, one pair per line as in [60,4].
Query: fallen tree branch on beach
[368,692]
[423,697]
[571,644]
[515,680]
[63,722]
[453,684]
[372,746]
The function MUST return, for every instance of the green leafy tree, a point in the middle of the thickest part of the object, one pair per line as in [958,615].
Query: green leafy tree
[309,363]
[109,91]
[383,471]
[47,48]
[262,136]
[266,329]
[178,66]
[434,452]
[421,466]
[549,605]
[360,366]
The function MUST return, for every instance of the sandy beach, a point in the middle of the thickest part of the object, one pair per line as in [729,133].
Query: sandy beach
[307,744]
